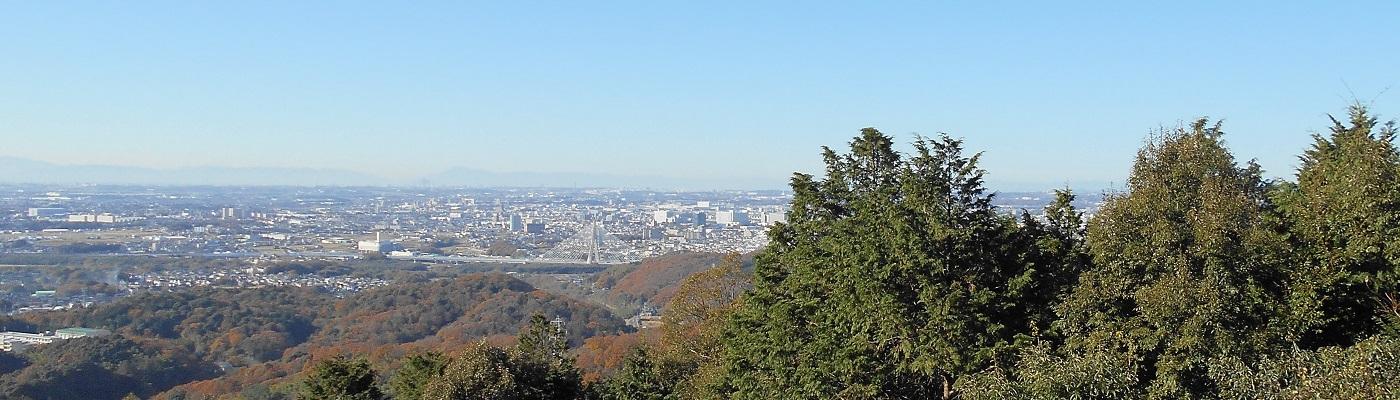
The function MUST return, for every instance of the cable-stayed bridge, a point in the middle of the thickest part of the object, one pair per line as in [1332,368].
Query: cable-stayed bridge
[591,244]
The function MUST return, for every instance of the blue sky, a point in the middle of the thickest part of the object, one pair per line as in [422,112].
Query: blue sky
[1053,93]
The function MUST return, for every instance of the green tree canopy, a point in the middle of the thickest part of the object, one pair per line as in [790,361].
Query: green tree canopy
[1187,265]
[892,279]
[1345,214]
[538,367]
[415,373]
[341,378]
[480,372]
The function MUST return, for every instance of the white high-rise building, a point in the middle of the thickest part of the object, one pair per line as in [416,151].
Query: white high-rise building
[229,213]
[378,245]
[517,224]
[731,217]
[661,216]
[773,217]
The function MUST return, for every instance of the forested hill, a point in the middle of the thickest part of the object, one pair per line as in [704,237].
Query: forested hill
[654,280]
[456,310]
[268,333]
[238,325]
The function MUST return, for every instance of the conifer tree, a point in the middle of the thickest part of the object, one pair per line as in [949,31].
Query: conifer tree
[341,378]
[543,368]
[1186,266]
[1345,215]
[890,280]
[480,372]
[1054,255]
[643,376]
[416,372]
[537,367]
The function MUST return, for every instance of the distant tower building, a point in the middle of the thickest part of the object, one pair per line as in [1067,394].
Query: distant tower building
[535,226]
[516,223]
[661,216]
[773,217]
[700,218]
[732,217]
[230,213]
[696,234]
[500,211]
[378,245]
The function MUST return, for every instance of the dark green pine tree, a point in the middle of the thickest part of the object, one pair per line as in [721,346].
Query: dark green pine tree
[1187,266]
[1054,255]
[543,367]
[890,280]
[341,378]
[643,377]
[417,370]
[1345,215]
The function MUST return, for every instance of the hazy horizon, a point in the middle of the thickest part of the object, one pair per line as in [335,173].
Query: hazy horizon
[741,93]
[26,171]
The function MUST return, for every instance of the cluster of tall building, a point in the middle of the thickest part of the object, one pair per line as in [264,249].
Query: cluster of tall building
[517,223]
[729,217]
[101,218]
[230,213]
[62,215]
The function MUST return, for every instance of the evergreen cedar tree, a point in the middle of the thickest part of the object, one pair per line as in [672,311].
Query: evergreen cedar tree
[1187,266]
[896,278]
[341,378]
[1345,215]
[417,370]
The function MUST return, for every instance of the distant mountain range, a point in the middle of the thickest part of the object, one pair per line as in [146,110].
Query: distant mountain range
[481,178]
[21,170]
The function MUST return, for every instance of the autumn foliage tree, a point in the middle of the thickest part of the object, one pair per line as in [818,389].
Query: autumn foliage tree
[684,361]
